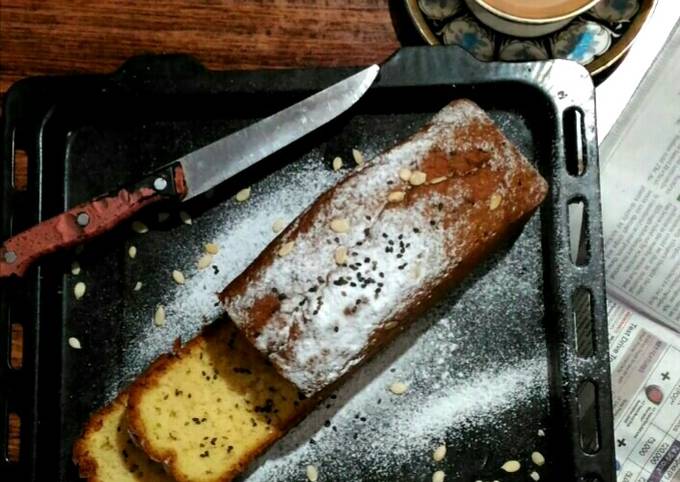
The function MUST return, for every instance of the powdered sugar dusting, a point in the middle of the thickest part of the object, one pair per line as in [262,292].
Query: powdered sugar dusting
[419,423]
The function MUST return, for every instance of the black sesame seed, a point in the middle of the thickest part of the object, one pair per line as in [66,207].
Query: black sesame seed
[327,423]
[313,289]
[282,297]
[416,230]
[336,329]
[384,235]
[432,223]
[353,284]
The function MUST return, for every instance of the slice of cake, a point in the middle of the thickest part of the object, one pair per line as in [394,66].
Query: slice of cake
[378,248]
[206,411]
[105,453]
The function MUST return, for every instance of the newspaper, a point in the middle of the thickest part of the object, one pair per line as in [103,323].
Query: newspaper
[640,183]
[640,177]
[645,365]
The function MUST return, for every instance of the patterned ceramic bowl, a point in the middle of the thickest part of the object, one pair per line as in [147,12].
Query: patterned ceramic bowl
[596,38]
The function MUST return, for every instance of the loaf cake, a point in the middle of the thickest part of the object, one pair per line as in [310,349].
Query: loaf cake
[105,453]
[206,411]
[375,250]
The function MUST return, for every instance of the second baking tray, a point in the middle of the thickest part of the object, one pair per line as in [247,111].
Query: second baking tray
[501,368]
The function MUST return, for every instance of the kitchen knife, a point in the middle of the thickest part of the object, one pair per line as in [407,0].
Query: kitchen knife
[185,177]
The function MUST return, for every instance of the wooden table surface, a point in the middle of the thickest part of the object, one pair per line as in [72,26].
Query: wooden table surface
[43,37]
[65,36]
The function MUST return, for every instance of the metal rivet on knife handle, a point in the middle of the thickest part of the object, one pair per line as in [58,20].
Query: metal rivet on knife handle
[83,219]
[10,256]
[160,183]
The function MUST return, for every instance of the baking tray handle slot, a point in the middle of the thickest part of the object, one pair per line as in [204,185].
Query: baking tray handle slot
[589,425]
[574,133]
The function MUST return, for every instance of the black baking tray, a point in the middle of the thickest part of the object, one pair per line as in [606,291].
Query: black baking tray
[85,134]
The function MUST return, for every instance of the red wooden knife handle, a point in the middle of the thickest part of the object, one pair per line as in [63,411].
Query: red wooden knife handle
[88,220]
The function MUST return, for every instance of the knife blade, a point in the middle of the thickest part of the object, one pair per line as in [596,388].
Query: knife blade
[205,167]
[186,177]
